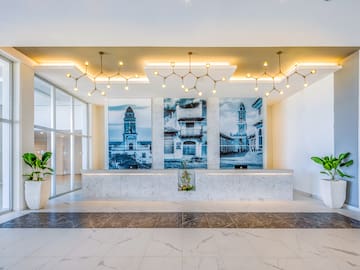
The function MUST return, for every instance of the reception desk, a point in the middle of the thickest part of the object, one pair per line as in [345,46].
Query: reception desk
[162,185]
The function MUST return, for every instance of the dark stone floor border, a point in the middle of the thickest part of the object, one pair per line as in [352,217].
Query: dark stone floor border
[183,220]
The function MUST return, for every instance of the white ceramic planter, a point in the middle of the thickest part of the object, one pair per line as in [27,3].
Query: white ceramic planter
[333,193]
[37,194]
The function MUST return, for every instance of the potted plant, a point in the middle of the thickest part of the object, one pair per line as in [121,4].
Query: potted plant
[186,181]
[37,186]
[333,190]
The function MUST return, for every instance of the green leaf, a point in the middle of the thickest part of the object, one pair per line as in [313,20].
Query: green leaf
[327,166]
[38,163]
[45,157]
[29,159]
[317,160]
[340,173]
[347,163]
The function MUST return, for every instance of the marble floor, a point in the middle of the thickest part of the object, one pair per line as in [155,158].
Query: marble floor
[180,248]
[73,220]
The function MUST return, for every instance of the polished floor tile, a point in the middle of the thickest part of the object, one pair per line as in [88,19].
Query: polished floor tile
[213,235]
[182,220]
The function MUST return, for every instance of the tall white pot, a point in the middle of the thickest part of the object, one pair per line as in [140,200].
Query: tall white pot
[333,193]
[37,194]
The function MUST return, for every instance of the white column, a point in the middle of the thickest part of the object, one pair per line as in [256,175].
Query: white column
[213,133]
[23,133]
[158,133]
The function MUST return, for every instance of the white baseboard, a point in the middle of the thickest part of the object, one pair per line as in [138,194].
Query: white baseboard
[352,208]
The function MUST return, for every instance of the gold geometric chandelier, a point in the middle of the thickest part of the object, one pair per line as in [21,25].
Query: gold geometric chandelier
[189,74]
[280,75]
[100,74]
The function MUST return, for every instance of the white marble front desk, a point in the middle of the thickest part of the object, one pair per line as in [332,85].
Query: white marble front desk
[162,185]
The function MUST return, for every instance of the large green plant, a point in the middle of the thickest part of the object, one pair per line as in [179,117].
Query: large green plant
[332,165]
[38,166]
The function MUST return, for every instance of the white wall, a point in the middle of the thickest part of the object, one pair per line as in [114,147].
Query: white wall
[23,132]
[303,126]
[98,137]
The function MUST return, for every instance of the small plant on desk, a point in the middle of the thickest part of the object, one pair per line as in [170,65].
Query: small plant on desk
[185,179]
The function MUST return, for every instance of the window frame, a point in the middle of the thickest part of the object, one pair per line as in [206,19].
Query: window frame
[54,131]
[10,122]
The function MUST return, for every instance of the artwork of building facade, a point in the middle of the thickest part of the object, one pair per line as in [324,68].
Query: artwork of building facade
[241,133]
[129,134]
[185,134]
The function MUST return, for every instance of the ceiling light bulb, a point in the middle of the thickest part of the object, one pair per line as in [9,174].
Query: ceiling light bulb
[121,63]
[186,90]
[200,94]
[182,86]
[126,87]
[86,63]
[223,78]
[313,71]
[214,91]
[207,65]
[76,89]
[248,75]
[163,85]
[103,93]
[265,64]
[108,86]
[256,88]
[89,94]
[156,73]
[305,84]
[68,75]
[281,92]
[267,94]
[136,76]
[287,85]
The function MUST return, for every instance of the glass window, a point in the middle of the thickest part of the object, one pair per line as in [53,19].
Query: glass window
[66,137]
[80,159]
[5,135]
[63,163]
[42,103]
[4,89]
[42,141]
[63,111]
[80,117]
[5,166]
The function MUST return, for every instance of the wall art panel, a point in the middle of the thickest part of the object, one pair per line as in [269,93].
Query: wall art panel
[129,134]
[241,133]
[185,134]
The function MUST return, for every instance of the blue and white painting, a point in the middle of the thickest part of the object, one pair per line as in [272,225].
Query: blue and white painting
[241,133]
[129,134]
[185,134]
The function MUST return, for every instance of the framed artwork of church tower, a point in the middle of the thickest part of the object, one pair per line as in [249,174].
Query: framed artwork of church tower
[129,134]
[241,133]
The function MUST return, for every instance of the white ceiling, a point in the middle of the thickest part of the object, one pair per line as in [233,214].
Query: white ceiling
[180,23]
